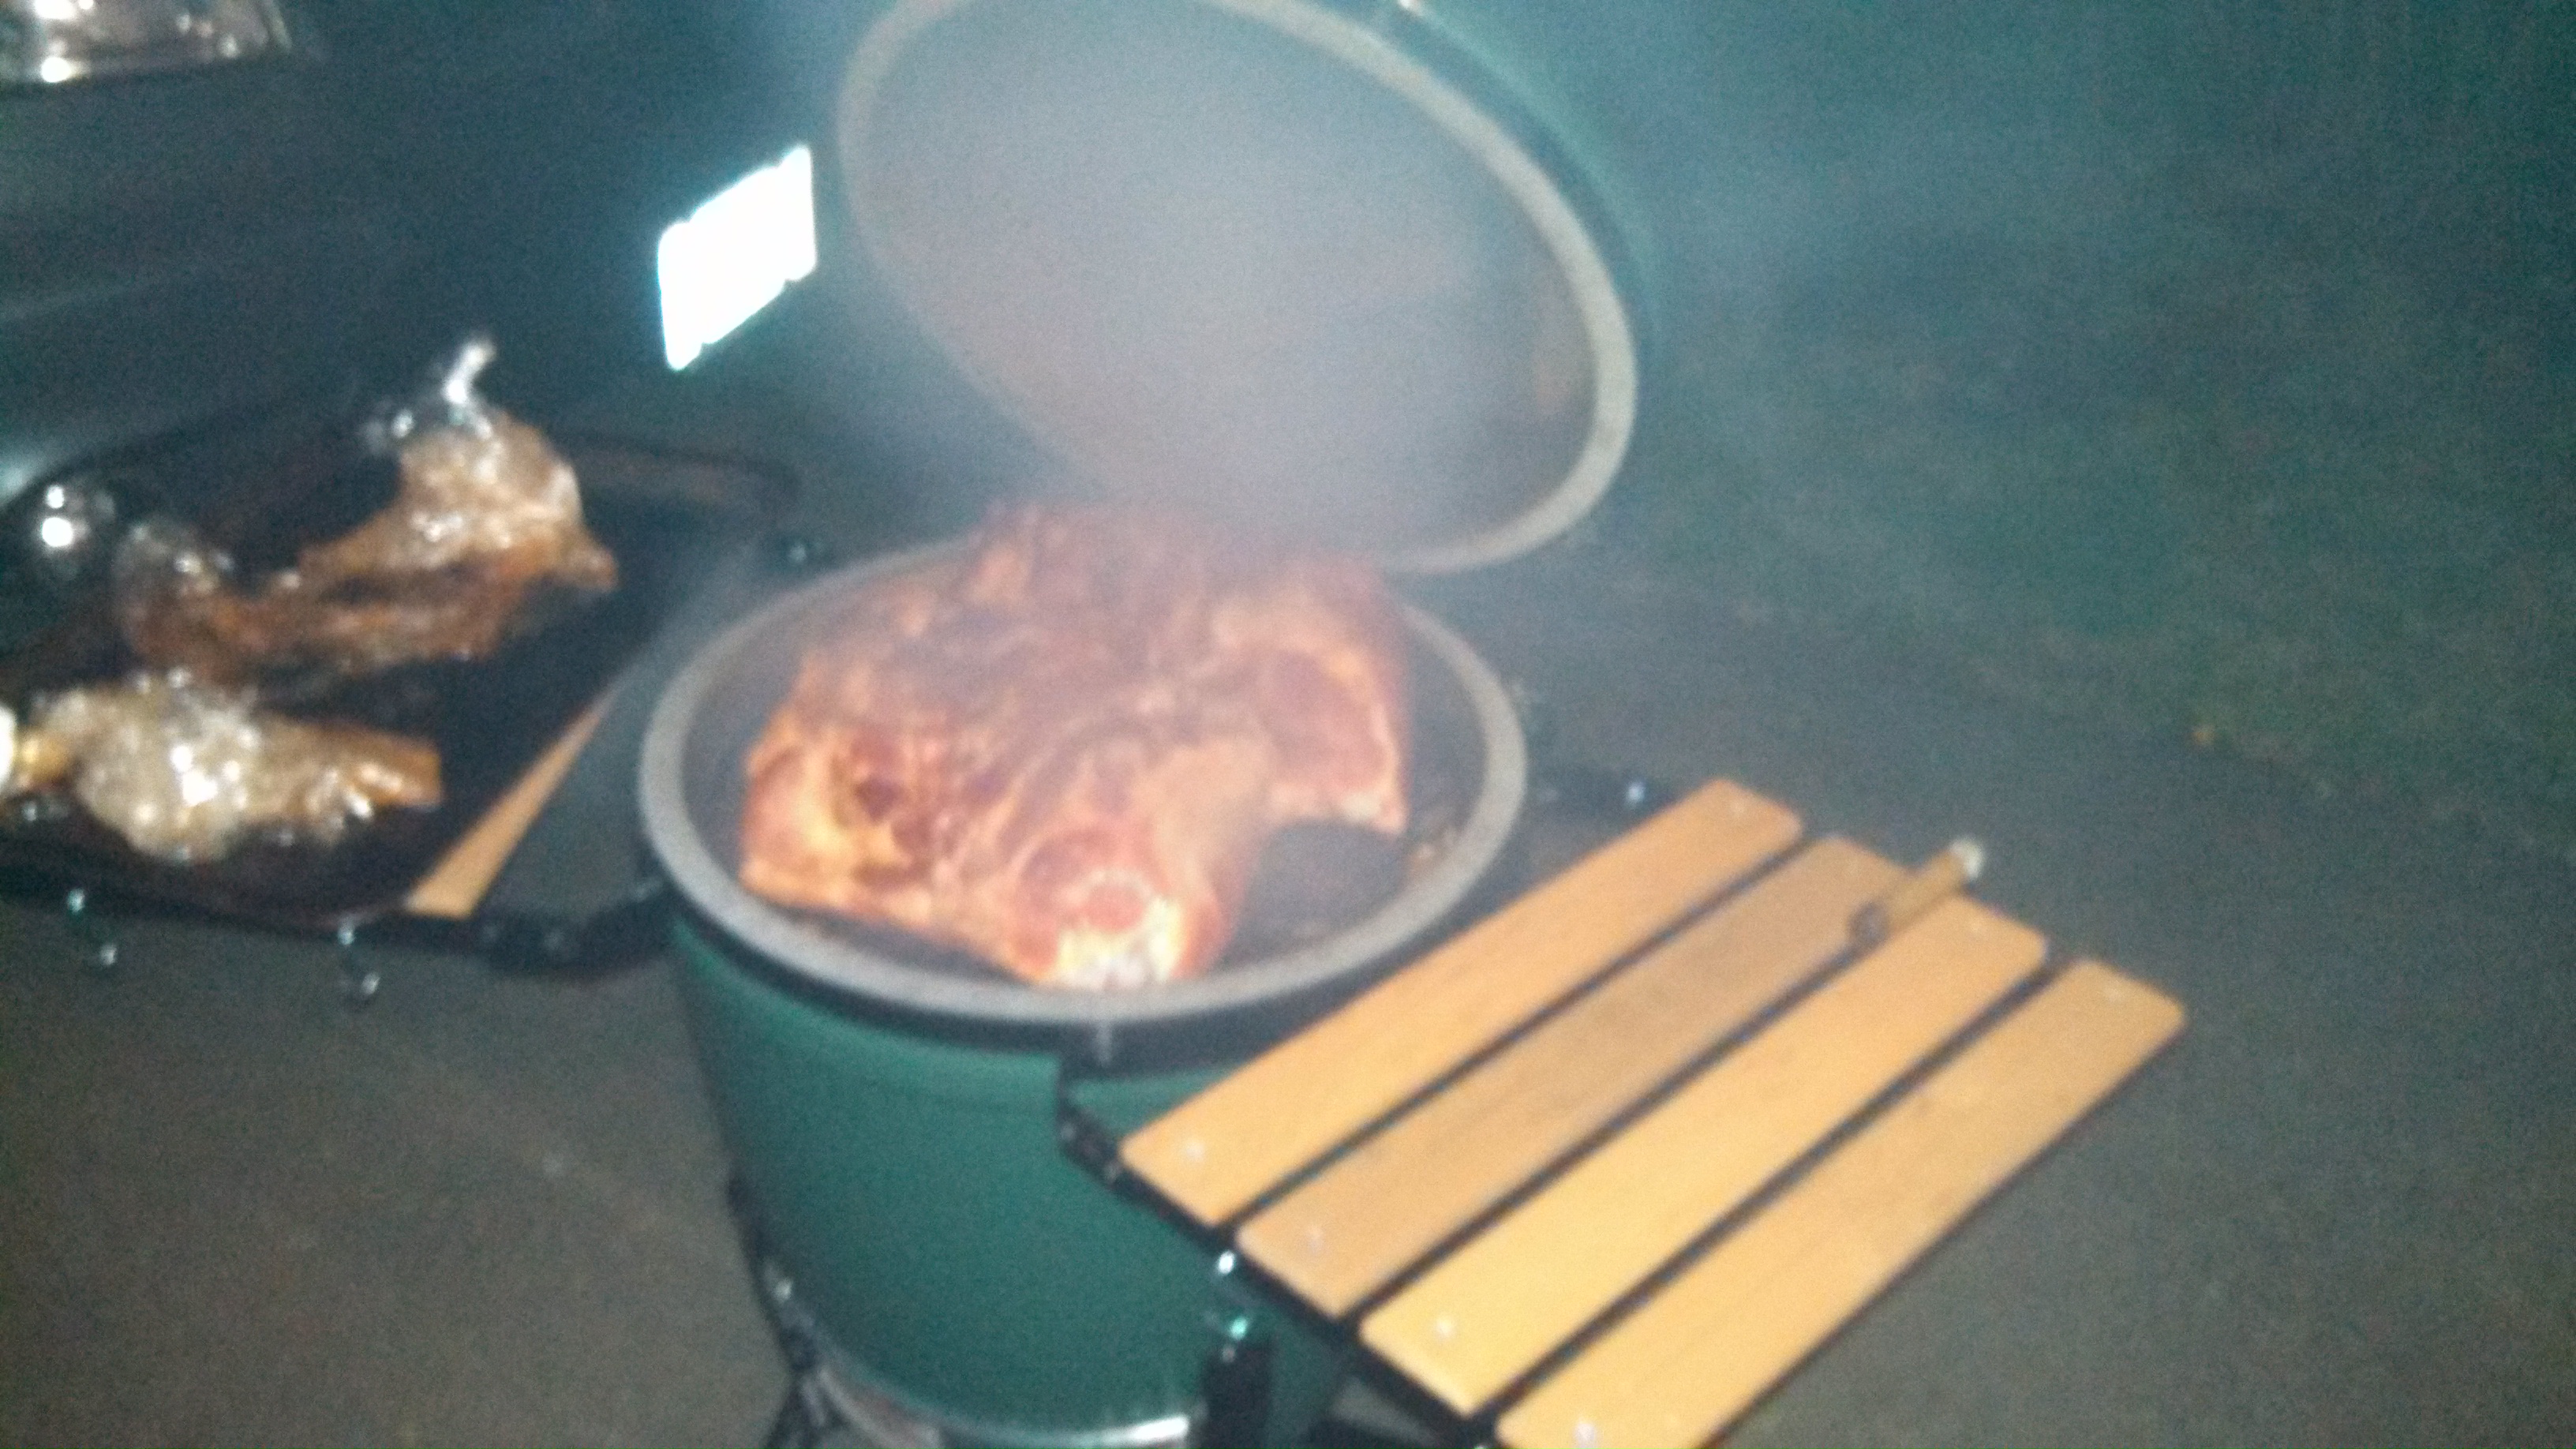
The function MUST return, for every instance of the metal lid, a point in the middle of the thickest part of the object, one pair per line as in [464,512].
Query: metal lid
[1249,255]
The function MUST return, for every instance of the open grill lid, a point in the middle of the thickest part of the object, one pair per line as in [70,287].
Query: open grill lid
[1252,257]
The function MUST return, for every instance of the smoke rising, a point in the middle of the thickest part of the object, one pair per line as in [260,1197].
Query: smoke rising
[1207,266]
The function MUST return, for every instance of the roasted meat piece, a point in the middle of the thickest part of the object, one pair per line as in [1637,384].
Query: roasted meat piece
[1064,749]
[486,526]
[185,771]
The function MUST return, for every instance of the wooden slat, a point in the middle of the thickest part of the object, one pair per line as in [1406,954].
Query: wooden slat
[1214,1154]
[1380,1209]
[1491,1311]
[454,887]
[1699,1353]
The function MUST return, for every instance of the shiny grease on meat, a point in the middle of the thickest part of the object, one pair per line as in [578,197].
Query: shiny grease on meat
[185,771]
[485,528]
[184,759]
[1064,749]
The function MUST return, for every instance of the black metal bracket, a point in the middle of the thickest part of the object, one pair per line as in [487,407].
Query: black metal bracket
[615,936]
[1590,791]
[807,1415]
[1087,1141]
[1234,1387]
[1235,1377]
[104,949]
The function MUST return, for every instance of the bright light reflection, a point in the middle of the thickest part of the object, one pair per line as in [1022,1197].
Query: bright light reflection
[735,254]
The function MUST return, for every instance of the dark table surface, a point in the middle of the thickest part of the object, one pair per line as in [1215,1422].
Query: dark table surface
[2342,1208]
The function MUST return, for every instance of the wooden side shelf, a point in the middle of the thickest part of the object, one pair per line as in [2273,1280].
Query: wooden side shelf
[1759,1076]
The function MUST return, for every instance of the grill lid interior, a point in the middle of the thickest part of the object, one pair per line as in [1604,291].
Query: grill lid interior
[1248,256]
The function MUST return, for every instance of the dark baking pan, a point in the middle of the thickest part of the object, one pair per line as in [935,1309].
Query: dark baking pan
[504,726]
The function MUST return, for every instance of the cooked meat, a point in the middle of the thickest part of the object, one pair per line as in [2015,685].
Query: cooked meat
[486,524]
[186,771]
[1063,750]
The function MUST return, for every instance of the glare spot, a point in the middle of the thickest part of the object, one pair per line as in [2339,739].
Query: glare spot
[735,254]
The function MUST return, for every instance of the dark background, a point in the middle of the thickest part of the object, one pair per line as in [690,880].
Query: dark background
[2137,435]
[2193,370]
[2202,370]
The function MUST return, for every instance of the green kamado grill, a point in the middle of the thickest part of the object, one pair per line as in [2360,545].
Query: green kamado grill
[1289,265]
